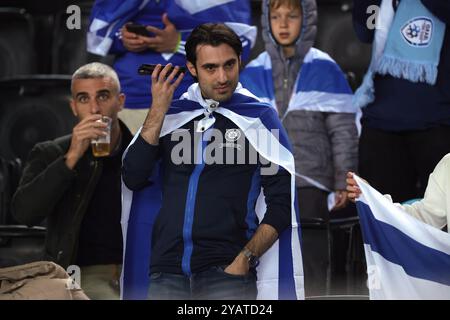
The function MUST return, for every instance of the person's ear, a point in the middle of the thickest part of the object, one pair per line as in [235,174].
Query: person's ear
[73,107]
[191,69]
[122,99]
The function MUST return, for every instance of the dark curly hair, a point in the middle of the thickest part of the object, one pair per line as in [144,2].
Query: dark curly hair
[213,34]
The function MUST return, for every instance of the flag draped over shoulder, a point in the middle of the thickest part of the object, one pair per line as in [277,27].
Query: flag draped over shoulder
[406,258]
[320,85]
[280,272]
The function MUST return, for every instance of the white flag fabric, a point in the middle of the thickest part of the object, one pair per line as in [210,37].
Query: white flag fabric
[406,258]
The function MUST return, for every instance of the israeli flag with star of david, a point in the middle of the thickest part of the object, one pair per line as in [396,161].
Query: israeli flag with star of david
[406,258]
[280,272]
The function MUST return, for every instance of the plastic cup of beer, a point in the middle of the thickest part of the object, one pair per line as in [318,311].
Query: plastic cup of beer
[101,146]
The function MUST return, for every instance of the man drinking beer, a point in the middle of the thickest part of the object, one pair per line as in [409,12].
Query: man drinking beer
[78,192]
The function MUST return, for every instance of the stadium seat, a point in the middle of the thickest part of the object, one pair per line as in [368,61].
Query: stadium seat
[18,244]
[21,244]
[348,268]
[33,109]
[16,43]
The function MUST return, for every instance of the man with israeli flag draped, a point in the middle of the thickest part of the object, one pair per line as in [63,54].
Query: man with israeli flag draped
[168,23]
[408,256]
[203,217]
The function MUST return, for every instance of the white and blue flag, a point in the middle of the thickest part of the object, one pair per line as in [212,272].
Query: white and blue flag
[280,272]
[406,258]
[320,85]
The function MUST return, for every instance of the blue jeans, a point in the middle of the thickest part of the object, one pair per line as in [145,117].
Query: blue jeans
[212,284]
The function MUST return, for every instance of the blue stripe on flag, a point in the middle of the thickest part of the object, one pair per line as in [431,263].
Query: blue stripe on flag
[250,110]
[258,81]
[239,103]
[249,105]
[144,210]
[322,75]
[417,260]
[286,284]
[178,106]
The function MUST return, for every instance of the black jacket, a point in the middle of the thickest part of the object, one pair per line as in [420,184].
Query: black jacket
[208,210]
[48,189]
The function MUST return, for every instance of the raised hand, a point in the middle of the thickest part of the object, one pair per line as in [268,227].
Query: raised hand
[163,88]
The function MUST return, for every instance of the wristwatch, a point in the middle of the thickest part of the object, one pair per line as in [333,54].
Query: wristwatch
[253,260]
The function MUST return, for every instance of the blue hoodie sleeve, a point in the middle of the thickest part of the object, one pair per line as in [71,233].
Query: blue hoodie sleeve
[117,46]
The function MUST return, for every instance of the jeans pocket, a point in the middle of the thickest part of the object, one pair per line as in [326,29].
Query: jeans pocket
[221,270]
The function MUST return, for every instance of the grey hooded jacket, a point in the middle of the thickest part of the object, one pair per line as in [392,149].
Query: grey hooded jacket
[325,144]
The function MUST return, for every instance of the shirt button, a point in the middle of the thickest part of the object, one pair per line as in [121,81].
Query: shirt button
[213,106]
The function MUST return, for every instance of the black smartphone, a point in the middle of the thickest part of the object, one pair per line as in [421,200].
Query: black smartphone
[138,29]
[147,69]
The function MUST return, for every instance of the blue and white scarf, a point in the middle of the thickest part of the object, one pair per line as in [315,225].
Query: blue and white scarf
[108,16]
[280,272]
[407,45]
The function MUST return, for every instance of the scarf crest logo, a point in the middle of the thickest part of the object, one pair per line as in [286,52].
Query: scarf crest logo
[418,32]
[232,135]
